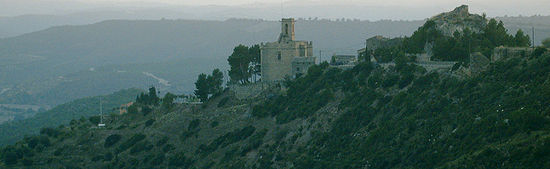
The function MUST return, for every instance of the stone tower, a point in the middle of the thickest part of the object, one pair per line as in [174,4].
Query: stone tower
[285,57]
[287,30]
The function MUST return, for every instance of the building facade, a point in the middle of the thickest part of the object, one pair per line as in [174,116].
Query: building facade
[285,57]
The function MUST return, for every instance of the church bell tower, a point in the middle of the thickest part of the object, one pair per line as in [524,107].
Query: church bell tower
[287,30]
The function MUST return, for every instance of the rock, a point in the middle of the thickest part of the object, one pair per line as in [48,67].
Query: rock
[479,62]
[458,20]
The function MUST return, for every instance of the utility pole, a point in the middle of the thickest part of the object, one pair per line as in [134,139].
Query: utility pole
[533,30]
[470,49]
[320,53]
[101,124]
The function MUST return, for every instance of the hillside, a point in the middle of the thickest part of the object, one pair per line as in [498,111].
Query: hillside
[366,117]
[61,115]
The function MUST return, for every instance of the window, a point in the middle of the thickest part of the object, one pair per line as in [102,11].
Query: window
[286,29]
[279,56]
[297,69]
[302,50]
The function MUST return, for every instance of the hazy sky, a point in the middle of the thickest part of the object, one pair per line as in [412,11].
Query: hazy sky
[418,9]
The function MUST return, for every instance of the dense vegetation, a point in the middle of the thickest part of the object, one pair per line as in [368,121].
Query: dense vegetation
[63,114]
[454,48]
[244,63]
[546,42]
[400,117]
[431,120]
[208,85]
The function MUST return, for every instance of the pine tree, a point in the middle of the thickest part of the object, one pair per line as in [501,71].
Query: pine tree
[239,62]
[521,40]
[215,81]
[202,88]
[546,42]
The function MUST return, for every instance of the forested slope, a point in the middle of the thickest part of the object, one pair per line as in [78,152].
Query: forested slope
[400,117]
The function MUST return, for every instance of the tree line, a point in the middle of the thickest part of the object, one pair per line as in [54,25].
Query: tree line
[452,48]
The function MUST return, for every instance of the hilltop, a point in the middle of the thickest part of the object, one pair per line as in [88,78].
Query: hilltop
[458,20]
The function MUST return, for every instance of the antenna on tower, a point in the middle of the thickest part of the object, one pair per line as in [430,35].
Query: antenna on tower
[101,124]
[282,9]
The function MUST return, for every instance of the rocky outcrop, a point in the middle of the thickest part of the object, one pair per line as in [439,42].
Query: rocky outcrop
[376,42]
[458,20]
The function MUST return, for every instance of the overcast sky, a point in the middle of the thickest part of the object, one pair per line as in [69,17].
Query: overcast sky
[418,9]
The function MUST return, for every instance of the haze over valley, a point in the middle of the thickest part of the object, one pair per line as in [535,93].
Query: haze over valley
[289,84]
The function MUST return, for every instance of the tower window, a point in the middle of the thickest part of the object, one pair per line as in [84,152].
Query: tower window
[279,56]
[286,29]
[302,50]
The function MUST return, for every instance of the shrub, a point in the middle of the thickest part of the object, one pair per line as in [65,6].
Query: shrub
[390,81]
[27,162]
[223,101]
[180,160]
[9,156]
[227,139]
[111,140]
[58,152]
[36,141]
[194,124]
[108,156]
[254,142]
[130,142]
[97,158]
[133,109]
[546,42]
[162,141]
[95,119]
[141,146]
[149,122]
[167,148]
[406,80]
[539,51]
[146,110]
[214,124]
[281,134]
[158,159]
[51,132]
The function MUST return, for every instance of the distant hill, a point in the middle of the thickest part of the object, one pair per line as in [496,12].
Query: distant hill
[526,23]
[60,58]
[63,114]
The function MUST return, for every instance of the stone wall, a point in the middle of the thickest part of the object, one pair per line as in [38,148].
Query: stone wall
[300,65]
[250,90]
[429,66]
[506,52]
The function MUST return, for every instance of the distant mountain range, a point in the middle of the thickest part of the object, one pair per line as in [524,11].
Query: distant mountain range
[62,63]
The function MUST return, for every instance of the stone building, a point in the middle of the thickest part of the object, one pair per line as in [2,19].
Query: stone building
[506,52]
[337,60]
[285,57]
